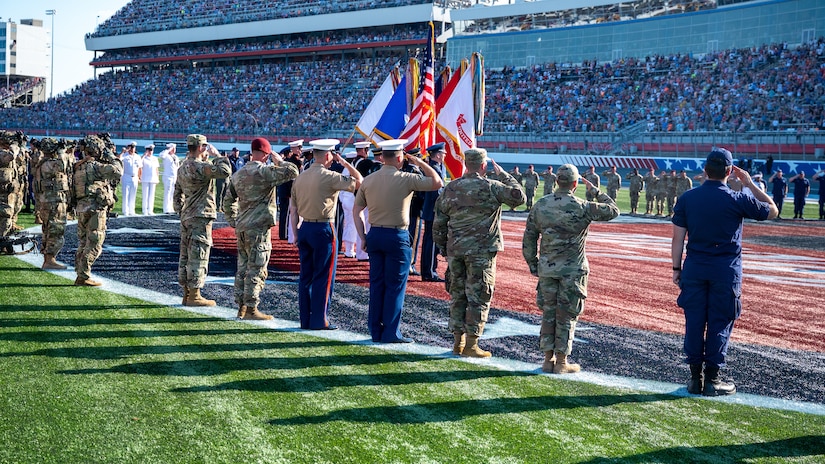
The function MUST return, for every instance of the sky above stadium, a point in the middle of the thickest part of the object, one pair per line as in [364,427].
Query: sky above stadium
[74,19]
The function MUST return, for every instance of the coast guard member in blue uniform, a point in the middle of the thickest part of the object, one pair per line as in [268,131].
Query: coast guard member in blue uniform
[711,216]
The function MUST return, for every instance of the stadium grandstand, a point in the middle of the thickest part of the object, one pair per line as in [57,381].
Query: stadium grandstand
[590,76]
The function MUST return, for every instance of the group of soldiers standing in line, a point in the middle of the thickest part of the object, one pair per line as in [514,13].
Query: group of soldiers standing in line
[66,175]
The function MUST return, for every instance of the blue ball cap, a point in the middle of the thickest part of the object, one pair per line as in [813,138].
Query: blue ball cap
[720,156]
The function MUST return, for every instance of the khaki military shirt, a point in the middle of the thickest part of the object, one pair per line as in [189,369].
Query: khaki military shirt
[387,193]
[249,202]
[562,221]
[315,192]
[468,213]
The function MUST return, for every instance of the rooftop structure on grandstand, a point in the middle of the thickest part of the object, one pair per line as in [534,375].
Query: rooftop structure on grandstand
[23,62]
[575,31]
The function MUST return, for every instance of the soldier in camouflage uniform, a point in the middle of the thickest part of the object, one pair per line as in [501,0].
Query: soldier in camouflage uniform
[562,221]
[468,231]
[594,179]
[23,181]
[194,201]
[671,192]
[636,184]
[650,190]
[52,171]
[614,182]
[531,183]
[250,207]
[683,184]
[11,190]
[93,196]
[660,192]
[549,180]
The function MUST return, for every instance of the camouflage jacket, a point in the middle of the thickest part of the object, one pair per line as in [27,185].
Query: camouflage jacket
[650,182]
[636,182]
[593,178]
[683,184]
[92,183]
[52,176]
[9,175]
[531,179]
[249,202]
[468,213]
[562,221]
[614,180]
[195,190]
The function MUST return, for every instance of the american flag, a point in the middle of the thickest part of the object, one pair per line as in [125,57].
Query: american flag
[420,130]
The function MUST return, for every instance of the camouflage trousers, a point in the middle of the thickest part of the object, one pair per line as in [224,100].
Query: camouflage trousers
[671,200]
[254,250]
[53,215]
[612,193]
[195,245]
[651,201]
[472,281]
[660,204]
[8,203]
[561,301]
[91,231]
[634,201]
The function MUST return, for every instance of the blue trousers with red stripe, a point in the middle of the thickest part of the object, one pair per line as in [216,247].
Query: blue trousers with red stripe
[317,251]
[390,256]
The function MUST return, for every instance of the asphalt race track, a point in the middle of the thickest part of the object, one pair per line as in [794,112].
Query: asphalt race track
[631,325]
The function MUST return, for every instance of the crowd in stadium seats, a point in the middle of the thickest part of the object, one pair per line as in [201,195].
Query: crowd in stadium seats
[406,32]
[19,87]
[769,88]
[619,11]
[160,15]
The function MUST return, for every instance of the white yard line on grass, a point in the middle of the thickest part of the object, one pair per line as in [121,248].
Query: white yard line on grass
[435,351]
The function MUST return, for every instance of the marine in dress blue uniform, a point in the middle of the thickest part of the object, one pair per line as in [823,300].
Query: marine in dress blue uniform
[711,217]
[314,199]
[387,193]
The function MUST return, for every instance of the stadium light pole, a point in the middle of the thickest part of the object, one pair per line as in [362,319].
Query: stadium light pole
[51,83]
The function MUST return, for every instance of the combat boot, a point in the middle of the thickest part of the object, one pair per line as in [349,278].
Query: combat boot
[81,282]
[697,380]
[195,299]
[459,344]
[50,263]
[714,385]
[563,367]
[252,314]
[185,296]
[549,361]
[472,350]
[241,311]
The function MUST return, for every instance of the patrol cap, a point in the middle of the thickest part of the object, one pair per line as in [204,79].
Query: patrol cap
[720,156]
[435,148]
[297,143]
[567,174]
[324,144]
[260,144]
[363,144]
[475,156]
[392,145]
[195,140]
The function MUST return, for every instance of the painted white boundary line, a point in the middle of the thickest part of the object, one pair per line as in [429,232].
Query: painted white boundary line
[605,380]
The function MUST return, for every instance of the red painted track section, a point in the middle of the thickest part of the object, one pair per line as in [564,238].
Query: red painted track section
[630,281]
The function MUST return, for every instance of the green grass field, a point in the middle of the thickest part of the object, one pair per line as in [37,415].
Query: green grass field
[90,376]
